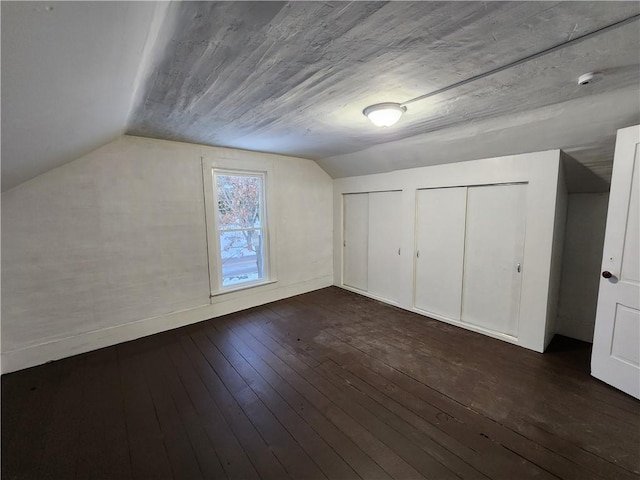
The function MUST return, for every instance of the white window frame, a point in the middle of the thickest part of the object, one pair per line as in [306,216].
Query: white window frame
[222,166]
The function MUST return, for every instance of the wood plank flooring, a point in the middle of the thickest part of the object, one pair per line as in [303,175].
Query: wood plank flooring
[326,385]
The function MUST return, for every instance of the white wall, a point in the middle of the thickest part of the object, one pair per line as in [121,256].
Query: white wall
[540,170]
[112,247]
[584,240]
[557,254]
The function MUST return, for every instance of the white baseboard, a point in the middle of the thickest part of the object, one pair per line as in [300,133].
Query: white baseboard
[85,342]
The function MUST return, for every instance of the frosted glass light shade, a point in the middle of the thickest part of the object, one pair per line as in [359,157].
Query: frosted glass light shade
[384,114]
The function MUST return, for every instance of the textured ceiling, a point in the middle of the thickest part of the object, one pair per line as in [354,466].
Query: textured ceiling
[294,77]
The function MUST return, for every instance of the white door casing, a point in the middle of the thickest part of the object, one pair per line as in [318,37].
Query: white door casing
[615,357]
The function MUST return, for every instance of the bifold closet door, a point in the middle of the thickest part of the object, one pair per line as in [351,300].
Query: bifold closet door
[356,233]
[440,226]
[493,257]
[385,224]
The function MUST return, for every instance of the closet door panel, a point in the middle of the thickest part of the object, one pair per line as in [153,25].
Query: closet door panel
[440,228]
[356,232]
[493,257]
[385,229]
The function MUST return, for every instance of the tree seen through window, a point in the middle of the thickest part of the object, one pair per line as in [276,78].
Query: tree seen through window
[240,228]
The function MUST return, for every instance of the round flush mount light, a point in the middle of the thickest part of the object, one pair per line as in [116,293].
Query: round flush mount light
[384,114]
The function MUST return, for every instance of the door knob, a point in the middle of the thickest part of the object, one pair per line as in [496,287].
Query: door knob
[606,274]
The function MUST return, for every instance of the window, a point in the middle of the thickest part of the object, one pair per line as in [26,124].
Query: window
[240,229]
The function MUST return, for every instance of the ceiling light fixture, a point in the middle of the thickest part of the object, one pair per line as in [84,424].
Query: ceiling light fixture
[384,114]
[387,114]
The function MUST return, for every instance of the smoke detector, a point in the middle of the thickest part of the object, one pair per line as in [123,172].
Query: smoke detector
[586,78]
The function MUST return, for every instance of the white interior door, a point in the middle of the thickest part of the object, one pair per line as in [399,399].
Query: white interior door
[616,342]
[493,257]
[385,224]
[355,246]
[440,226]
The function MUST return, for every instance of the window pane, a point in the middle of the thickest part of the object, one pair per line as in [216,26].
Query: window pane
[242,257]
[239,198]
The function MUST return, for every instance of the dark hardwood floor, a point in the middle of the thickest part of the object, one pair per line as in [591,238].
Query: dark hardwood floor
[324,385]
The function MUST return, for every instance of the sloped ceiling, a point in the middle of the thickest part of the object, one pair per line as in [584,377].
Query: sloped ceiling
[294,77]
[70,72]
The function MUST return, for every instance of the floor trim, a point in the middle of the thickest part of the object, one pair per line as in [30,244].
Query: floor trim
[39,354]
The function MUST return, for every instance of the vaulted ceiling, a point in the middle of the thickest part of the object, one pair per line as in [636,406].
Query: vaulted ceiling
[294,77]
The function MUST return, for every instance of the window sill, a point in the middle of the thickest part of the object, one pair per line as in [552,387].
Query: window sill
[242,287]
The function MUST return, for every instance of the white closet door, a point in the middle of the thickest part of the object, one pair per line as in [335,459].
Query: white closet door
[385,225]
[493,257]
[440,225]
[356,233]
